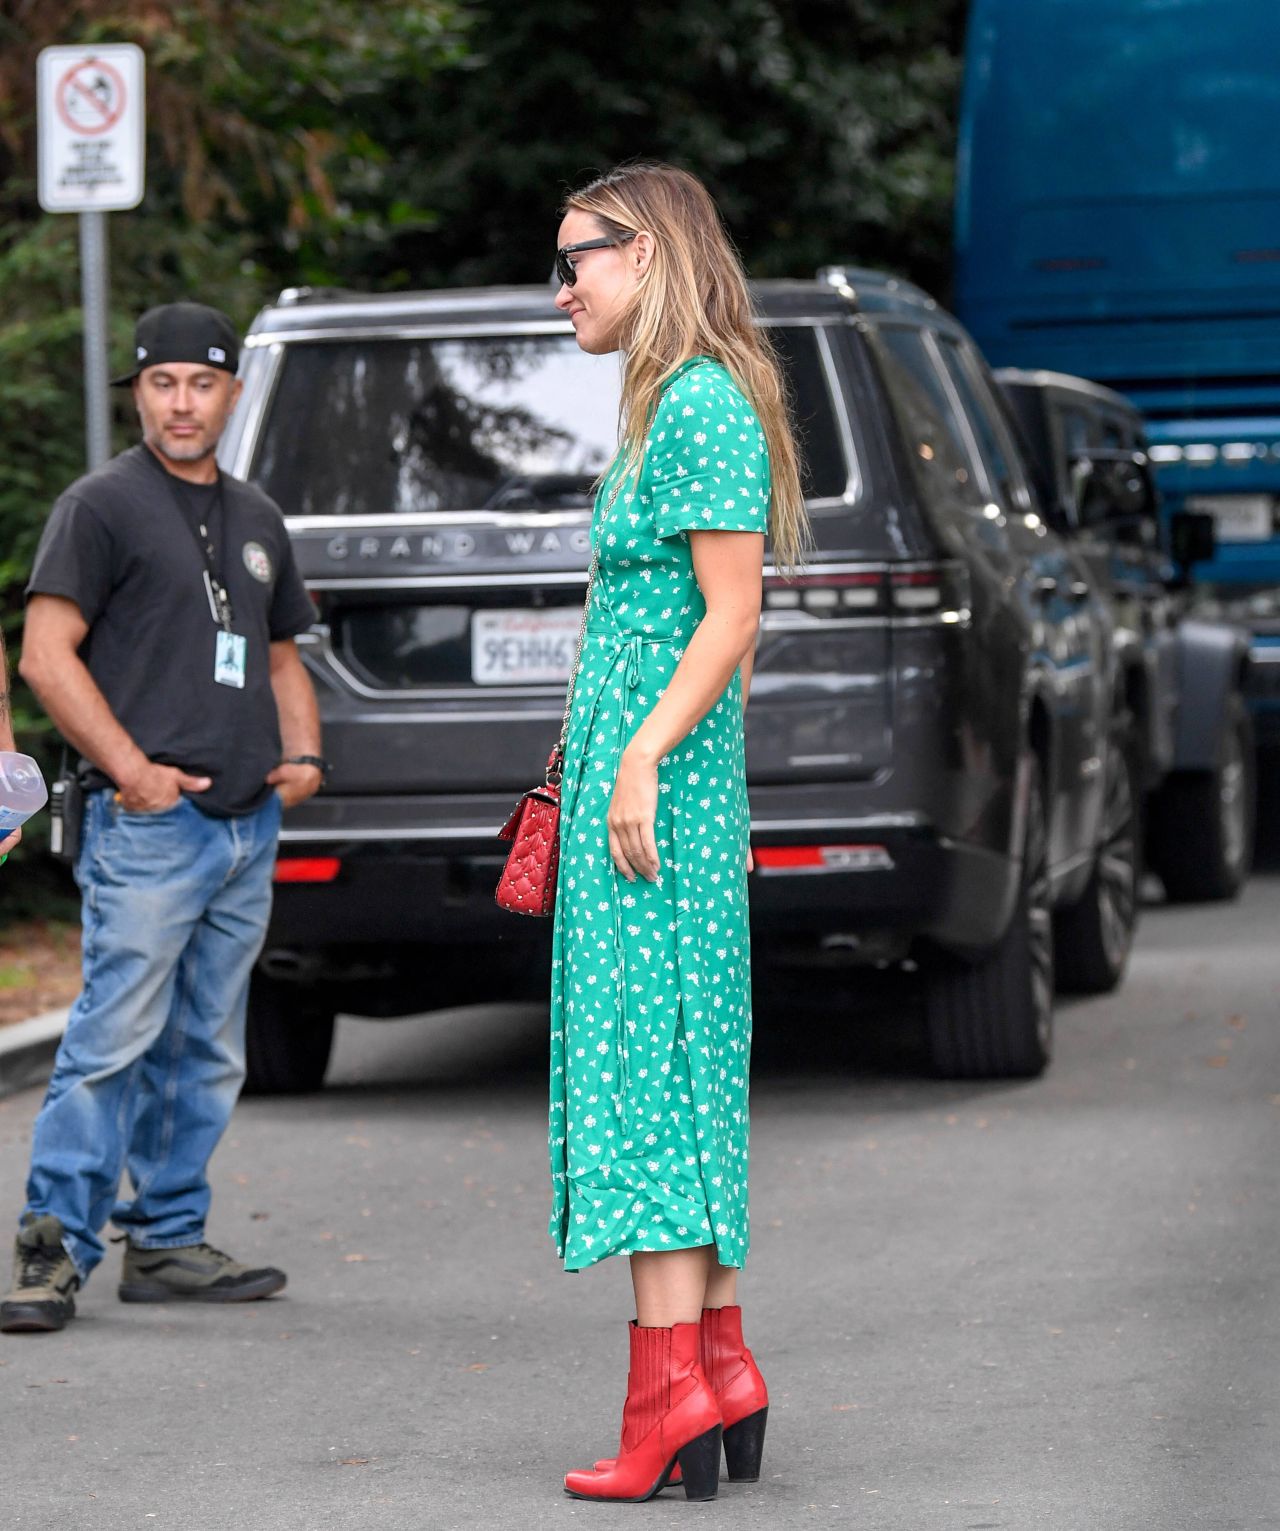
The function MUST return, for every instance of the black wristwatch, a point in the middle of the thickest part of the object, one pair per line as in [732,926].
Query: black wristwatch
[312,760]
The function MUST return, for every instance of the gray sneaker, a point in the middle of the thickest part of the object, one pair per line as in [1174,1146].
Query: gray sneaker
[193,1273]
[43,1279]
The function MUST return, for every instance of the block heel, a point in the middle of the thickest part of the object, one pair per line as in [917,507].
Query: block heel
[739,1390]
[744,1446]
[670,1423]
[700,1465]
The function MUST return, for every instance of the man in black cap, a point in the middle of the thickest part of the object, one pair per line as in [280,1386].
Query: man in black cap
[161,615]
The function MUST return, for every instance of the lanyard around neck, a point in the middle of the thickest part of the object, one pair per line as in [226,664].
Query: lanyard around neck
[200,528]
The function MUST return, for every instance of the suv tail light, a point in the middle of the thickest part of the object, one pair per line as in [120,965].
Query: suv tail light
[827,594]
[307,868]
[939,592]
[798,860]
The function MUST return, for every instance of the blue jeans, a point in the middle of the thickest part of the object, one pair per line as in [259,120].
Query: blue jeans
[175,908]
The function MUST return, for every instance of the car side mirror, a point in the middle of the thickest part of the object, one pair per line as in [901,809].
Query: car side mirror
[1193,539]
[1113,486]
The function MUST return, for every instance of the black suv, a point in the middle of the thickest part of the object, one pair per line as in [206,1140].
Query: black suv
[931,741]
[1184,679]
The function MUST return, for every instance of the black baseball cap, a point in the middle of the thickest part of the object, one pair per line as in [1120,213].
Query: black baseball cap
[186,332]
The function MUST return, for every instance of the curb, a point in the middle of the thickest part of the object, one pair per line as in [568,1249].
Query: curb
[27,1051]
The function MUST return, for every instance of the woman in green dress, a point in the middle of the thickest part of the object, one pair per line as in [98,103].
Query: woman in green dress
[651,986]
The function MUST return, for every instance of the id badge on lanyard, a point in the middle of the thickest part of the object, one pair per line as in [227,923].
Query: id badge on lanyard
[230,649]
[228,662]
[230,654]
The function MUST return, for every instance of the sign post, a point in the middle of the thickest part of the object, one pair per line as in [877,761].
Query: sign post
[91,115]
[95,305]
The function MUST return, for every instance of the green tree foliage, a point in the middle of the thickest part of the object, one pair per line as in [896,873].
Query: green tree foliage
[257,137]
[824,128]
[397,144]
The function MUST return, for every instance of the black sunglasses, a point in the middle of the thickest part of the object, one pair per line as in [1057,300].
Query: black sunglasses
[567,271]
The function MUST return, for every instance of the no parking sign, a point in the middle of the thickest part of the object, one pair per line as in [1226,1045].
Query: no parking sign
[91,122]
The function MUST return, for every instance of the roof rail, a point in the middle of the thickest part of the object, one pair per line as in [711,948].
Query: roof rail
[839,278]
[845,280]
[291,297]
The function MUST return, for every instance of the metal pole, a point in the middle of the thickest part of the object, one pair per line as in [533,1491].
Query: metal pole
[93,301]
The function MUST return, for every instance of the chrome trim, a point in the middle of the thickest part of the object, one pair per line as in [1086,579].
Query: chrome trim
[467,691]
[257,412]
[977,457]
[255,409]
[844,429]
[826,502]
[489,831]
[1020,500]
[515,579]
[416,832]
[802,762]
[523,520]
[247,446]
[802,321]
[786,619]
[847,566]
[317,644]
[825,826]
[460,330]
[961,618]
[391,330]
[521,578]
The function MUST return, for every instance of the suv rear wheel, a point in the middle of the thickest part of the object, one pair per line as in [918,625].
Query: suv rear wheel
[993,1019]
[1202,822]
[1092,938]
[288,1038]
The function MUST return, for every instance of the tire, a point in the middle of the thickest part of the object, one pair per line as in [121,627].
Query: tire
[288,1038]
[1202,822]
[1093,937]
[993,1019]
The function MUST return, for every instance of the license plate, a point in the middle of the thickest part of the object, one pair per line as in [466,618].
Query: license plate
[1237,517]
[523,648]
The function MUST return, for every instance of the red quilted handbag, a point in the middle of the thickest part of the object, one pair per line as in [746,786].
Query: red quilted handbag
[528,881]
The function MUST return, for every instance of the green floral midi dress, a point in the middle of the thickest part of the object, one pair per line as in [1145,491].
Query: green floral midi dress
[651,982]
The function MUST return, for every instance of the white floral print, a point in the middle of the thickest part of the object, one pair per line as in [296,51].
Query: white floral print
[651,982]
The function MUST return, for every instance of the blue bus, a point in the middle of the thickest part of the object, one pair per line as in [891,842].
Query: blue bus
[1118,217]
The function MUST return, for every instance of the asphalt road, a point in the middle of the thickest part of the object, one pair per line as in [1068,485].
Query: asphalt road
[1050,1304]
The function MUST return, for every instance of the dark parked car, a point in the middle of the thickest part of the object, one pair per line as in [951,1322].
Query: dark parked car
[1184,679]
[931,741]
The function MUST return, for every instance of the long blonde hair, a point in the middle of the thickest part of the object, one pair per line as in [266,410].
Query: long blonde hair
[691,301]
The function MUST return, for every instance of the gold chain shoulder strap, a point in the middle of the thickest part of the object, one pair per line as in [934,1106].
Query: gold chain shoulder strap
[554,769]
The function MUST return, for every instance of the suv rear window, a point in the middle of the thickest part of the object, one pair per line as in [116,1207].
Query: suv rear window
[372,427]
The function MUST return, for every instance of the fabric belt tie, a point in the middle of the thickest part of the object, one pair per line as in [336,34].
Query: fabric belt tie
[630,648]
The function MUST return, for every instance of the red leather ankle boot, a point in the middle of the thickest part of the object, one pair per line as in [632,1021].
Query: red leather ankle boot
[735,1379]
[670,1417]
[739,1388]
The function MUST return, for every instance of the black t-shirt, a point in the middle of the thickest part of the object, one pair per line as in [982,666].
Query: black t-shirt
[119,543]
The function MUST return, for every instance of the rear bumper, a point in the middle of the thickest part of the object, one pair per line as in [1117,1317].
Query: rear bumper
[424,871]
[924,887]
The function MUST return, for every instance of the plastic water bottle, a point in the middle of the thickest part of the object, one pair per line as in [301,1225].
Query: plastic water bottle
[22,790]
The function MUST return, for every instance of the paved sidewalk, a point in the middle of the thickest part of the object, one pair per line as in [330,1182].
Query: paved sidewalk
[1014,1306]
